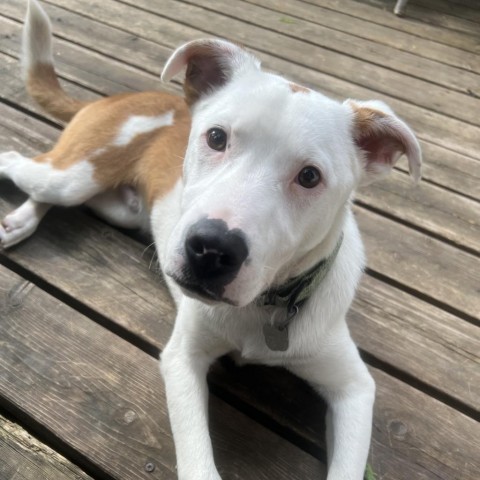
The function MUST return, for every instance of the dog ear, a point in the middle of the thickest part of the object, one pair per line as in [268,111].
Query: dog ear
[382,138]
[210,63]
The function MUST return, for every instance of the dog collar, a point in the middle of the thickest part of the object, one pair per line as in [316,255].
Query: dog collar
[292,295]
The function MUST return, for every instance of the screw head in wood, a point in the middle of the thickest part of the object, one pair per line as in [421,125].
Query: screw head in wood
[149,467]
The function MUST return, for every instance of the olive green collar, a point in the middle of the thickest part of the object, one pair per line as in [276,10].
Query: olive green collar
[293,293]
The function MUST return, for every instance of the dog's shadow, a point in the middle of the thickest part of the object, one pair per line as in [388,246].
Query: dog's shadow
[273,397]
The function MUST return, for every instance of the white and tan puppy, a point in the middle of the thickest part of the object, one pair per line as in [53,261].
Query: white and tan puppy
[247,188]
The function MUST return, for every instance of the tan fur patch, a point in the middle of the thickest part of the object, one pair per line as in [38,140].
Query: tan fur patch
[295,88]
[151,161]
[366,119]
[43,86]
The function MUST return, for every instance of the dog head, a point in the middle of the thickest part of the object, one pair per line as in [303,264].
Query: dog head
[269,171]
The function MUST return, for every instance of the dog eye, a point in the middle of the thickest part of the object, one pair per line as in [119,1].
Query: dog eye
[309,177]
[217,139]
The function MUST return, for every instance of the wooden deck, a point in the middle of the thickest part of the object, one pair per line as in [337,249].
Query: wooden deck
[83,317]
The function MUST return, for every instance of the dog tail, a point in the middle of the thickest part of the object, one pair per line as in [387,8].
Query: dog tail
[38,66]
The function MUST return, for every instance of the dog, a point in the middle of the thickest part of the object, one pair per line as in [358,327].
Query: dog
[246,184]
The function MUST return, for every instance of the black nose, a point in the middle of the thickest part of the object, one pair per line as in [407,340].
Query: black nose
[215,253]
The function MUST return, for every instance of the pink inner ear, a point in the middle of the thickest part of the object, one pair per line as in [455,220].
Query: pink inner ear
[381,148]
[383,138]
[205,71]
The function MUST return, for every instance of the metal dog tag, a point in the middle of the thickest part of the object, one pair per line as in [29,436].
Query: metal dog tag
[276,334]
[276,337]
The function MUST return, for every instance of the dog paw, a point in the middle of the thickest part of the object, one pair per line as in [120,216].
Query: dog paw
[14,229]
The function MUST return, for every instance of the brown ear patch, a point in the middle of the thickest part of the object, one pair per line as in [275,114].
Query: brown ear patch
[295,88]
[366,119]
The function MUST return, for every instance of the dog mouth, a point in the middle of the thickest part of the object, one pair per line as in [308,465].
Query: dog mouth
[200,292]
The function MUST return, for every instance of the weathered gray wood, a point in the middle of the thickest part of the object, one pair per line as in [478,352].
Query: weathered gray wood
[317,29]
[455,9]
[453,170]
[442,166]
[422,263]
[139,314]
[383,16]
[57,366]
[414,436]
[433,209]
[23,457]
[384,34]
[439,18]
[423,341]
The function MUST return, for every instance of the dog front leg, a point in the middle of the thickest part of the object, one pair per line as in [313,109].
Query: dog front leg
[184,366]
[343,380]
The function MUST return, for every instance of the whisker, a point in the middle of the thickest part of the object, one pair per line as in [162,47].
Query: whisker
[146,248]
[152,259]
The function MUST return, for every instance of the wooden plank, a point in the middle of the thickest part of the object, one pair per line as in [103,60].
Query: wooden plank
[23,457]
[383,16]
[336,64]
[380,33]
[318,28]
[465,12]
[423,341]
[414,436]
[115,394]
[445,167]
[23,132]
[435,16]
[442,213]
[424,264]
[450,169]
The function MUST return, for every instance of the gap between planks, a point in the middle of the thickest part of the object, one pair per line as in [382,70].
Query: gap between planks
[383,15]
[96,378]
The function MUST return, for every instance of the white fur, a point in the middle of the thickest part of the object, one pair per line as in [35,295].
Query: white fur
[46,184]
[122,207]
[21,223]
[272,134]
[138,124]
[37,38]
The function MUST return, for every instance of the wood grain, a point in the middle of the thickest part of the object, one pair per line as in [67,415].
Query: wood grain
[23,457]
[386,33]
[414,436]
[389,53]
[380,13]
[52,355]
[447,275]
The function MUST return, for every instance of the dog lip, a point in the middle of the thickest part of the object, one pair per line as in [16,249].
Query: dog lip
[200,292]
